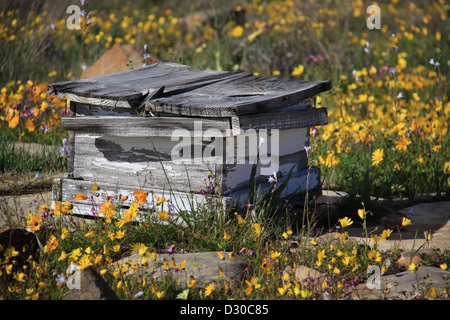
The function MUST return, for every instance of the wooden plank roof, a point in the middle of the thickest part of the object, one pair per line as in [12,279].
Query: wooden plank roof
[183,90]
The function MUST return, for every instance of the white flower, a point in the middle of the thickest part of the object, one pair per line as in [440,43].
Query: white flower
[61,278]
[434,63]
[400,95]
[273,178]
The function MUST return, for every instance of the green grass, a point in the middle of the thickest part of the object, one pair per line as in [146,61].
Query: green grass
[14,159]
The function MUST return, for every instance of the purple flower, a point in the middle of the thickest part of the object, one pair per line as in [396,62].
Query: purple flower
[53,26]
[172,249]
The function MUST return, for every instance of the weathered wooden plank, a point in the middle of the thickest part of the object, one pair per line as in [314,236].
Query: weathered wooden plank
[124,126]
[280,151]
[299,183]
[189,91]
[137,162]
[285,120]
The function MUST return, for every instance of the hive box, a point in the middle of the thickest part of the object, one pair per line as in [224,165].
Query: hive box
[163,128]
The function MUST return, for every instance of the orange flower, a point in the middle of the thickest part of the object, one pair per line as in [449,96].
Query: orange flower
[14,122]
[80,197]
[141,196]
[30,125]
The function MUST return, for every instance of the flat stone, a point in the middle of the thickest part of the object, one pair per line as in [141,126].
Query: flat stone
[92,286]
[409,283]
[409,257]
[362,292]
[204,266]
[303,273]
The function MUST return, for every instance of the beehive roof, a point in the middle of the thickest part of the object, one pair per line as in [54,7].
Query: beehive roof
[183,90]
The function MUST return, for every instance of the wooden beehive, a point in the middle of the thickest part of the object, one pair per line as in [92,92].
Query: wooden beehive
[164,127]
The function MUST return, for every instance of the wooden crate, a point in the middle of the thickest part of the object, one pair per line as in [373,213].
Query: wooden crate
[164,127]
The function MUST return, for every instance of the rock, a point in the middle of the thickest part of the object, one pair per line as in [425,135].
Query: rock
[23,241]
[362,292]
[391,267]
[303,273]
[204,266]
[92,287]
[408,283]
[118,58]
[409,257]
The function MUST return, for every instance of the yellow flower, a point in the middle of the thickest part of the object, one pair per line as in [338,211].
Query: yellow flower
[345,222]
[443,266]
[85,261]
[237,31]
[374,255]
[267,267]
[34,222]
[95,187]
[209,289]
[192,283]
[62,256]
[438,36]
[413,268]
[258,229]
[106,207]
[274,255]
[21,277]
[75,254]
[298,70]
[226,236]
[320,257]
[159,294]
[437,148]
[164,215]
[221,256]
[406,222]
[120,234]
[305,294]
[160,200]
[344,237]
[377,157]
[128,215]
[402,144]
[90,234]
[385,234]
[361,213]
[44,208]
[432,293]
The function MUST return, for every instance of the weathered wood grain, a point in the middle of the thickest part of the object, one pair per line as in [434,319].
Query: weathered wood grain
[299,183]
[189,91]
[125,126]
[137,162]
[285,119]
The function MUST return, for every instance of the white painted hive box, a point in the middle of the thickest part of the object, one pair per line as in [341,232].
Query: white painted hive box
[163,128]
